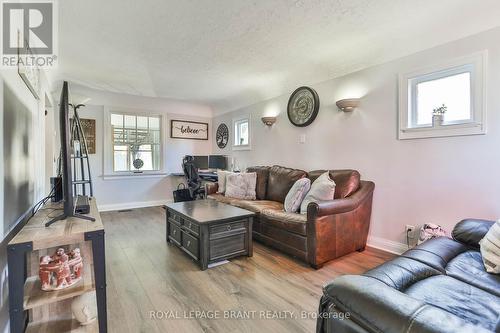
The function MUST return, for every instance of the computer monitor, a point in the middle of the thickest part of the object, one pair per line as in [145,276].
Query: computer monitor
[217,162]
[201,162]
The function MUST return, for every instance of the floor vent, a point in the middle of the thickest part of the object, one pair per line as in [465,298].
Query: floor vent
[124,210]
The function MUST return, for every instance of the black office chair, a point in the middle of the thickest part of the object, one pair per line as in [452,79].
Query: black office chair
[193,180]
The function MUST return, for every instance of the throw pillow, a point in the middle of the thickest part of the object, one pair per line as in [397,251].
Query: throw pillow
[490,249]
[222,175]
[297,194]
[241,185]
[323,188]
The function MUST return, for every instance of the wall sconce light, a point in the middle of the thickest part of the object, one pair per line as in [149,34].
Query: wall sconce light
[348,104]
[268,121]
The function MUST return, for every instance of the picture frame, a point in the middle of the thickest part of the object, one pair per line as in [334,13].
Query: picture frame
[191,130]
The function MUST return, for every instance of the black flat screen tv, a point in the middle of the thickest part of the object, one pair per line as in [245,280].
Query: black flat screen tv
[67,186]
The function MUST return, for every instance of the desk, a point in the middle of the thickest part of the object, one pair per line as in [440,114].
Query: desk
[208,176]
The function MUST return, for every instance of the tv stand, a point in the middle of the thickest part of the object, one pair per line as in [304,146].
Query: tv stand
[64,216]
[50,311]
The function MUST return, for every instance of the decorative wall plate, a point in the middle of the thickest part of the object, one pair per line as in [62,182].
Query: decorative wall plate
[222,136]
[303,106]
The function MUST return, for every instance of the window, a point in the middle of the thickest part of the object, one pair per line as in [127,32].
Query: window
[445,100]
[241,133]
[136,144]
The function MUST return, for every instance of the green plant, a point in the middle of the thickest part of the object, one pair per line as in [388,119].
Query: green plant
[440,110]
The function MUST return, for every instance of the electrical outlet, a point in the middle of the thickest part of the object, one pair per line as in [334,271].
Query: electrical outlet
[409,229]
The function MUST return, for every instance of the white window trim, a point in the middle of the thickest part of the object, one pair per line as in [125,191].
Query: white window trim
[478,63]
[109,173]
[249,145]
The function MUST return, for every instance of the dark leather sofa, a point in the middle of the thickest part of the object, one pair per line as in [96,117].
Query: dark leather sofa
[439,286]
[330,229]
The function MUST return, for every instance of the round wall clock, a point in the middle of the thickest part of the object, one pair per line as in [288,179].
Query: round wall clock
[303,106]
[222,136]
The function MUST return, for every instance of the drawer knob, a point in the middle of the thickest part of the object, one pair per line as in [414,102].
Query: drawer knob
[228,227]
[189,225]
[174,232]
[188,243]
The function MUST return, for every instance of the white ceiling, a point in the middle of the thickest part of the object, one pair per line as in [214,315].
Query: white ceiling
[233,53]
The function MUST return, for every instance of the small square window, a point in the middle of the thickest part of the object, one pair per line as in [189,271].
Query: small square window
[444,100]
[242,133]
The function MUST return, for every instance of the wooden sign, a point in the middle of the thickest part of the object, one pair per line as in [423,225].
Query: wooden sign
[88,127]
[180,129]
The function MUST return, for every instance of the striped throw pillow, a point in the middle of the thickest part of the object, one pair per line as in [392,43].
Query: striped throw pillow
[490,249]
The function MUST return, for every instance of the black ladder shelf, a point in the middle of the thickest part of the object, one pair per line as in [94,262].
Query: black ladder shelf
[80,157]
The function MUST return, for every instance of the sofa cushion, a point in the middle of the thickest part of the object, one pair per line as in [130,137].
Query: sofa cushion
[490,249]
[401,272]
[468,267]
[221,180]
[292,222]
[262,178]
[461,299]
[280,181]
[257,206]
[323,189]
[347,181]
[436,252]
[297,194]
[222,198]
[471,231]
[241,185]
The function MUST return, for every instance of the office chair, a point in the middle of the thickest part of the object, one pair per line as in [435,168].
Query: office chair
[194,183]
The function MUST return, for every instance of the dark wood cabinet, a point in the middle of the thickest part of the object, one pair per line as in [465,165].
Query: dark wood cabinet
[208,240]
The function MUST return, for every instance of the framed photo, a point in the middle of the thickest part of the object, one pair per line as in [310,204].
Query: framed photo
[180,129]
[88,127]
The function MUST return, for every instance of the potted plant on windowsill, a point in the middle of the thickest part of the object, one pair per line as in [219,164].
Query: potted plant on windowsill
[438,115]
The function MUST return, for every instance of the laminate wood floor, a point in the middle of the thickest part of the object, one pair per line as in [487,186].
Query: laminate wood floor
[155,287]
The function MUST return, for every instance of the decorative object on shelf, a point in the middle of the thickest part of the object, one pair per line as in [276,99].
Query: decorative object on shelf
[222,136]
[438,115]
[303,106]
[60,270]
[268,121]
[180,129]
[348,104]
[84,308]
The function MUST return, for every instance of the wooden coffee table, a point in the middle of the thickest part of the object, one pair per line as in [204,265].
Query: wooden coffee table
[209,231]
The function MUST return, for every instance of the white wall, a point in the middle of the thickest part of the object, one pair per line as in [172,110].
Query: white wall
[441,180]
[37,144]
[137,191]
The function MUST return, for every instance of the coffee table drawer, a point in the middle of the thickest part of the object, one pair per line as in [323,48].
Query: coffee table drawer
[228,246]
[176,218]
[175,233]
[191,245]
[237,226]
[193,227]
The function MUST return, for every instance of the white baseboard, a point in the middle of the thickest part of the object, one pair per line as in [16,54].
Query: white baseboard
[131,205]
[386,245]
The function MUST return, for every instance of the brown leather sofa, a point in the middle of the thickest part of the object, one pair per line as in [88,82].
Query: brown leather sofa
[440,286]
[330,229]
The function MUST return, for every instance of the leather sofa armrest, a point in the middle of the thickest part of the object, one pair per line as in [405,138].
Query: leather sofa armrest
[211,188]
[377,307]
[471,231]
[338,206]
